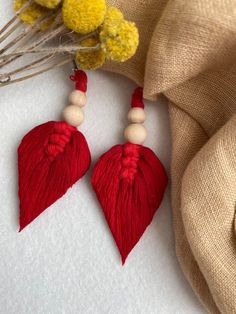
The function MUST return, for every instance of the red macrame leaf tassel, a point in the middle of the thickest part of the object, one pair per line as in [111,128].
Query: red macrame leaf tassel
[51,158]
[130,182]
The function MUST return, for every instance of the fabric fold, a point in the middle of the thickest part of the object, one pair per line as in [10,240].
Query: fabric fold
[191,37]
[188,138]
[208,211]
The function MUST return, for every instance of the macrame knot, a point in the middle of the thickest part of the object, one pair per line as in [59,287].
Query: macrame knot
[81,80]
[59,138]
[137,98]
[130,161]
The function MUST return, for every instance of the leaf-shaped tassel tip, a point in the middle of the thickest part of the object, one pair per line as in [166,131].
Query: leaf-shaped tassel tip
[129,181]
[51,158]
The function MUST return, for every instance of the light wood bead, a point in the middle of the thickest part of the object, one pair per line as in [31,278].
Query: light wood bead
[73,115]
[135,133]
[77,98]
[136,115]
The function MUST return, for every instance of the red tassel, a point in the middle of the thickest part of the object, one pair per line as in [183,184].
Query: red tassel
[129,181]
[51,158]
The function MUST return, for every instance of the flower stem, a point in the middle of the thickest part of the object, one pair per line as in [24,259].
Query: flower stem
[58,50]
[18,13]
[12,30]
[30,66]
[44,39]
[28,31]
[4,81]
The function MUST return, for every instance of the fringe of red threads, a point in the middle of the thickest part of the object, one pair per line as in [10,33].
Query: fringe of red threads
[51,158]
[129,181]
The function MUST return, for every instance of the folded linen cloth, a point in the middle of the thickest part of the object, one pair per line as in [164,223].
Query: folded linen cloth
[188,53]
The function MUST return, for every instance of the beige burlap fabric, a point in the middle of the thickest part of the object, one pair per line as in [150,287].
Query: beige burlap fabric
[188,53]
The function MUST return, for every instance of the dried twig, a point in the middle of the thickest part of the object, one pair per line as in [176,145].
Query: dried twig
[73,38]
[28,31]
[58,50]
[12,30]
[7,80]
[18,13]
[30,66]
[44,39]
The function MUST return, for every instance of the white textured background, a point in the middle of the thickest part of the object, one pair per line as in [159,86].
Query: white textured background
[66,260]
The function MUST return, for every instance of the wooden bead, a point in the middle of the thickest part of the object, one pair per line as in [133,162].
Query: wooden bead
[136,115]
[73,115]
[135,133]
[77,98]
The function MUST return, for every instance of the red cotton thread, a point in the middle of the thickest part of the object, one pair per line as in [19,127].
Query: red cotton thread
[129,181]
[59,138]
[51,158]
[129,191]
[130,161]
[81,80]
[137,98]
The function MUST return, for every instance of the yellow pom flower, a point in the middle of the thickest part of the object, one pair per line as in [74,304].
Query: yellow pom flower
[83,16]
[32,13]
[50,4]
[120,42]
[112,20]
[113,14]
[90,60]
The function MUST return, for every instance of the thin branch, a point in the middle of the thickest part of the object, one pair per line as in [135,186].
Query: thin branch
[53,66]
[14,27]
[23,8]
[46,58]
[44,39]
[34,64]
[28,31]
[48,36]
[30,66]
[74,36]
[58,50]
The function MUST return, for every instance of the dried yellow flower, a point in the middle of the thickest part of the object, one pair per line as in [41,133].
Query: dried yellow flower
[112,20]
[83,16]
[50,4]
[90,60]
[113,14]
[119,42]
[32,13]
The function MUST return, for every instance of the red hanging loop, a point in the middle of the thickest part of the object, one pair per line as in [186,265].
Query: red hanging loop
[81,80]
[137,98]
